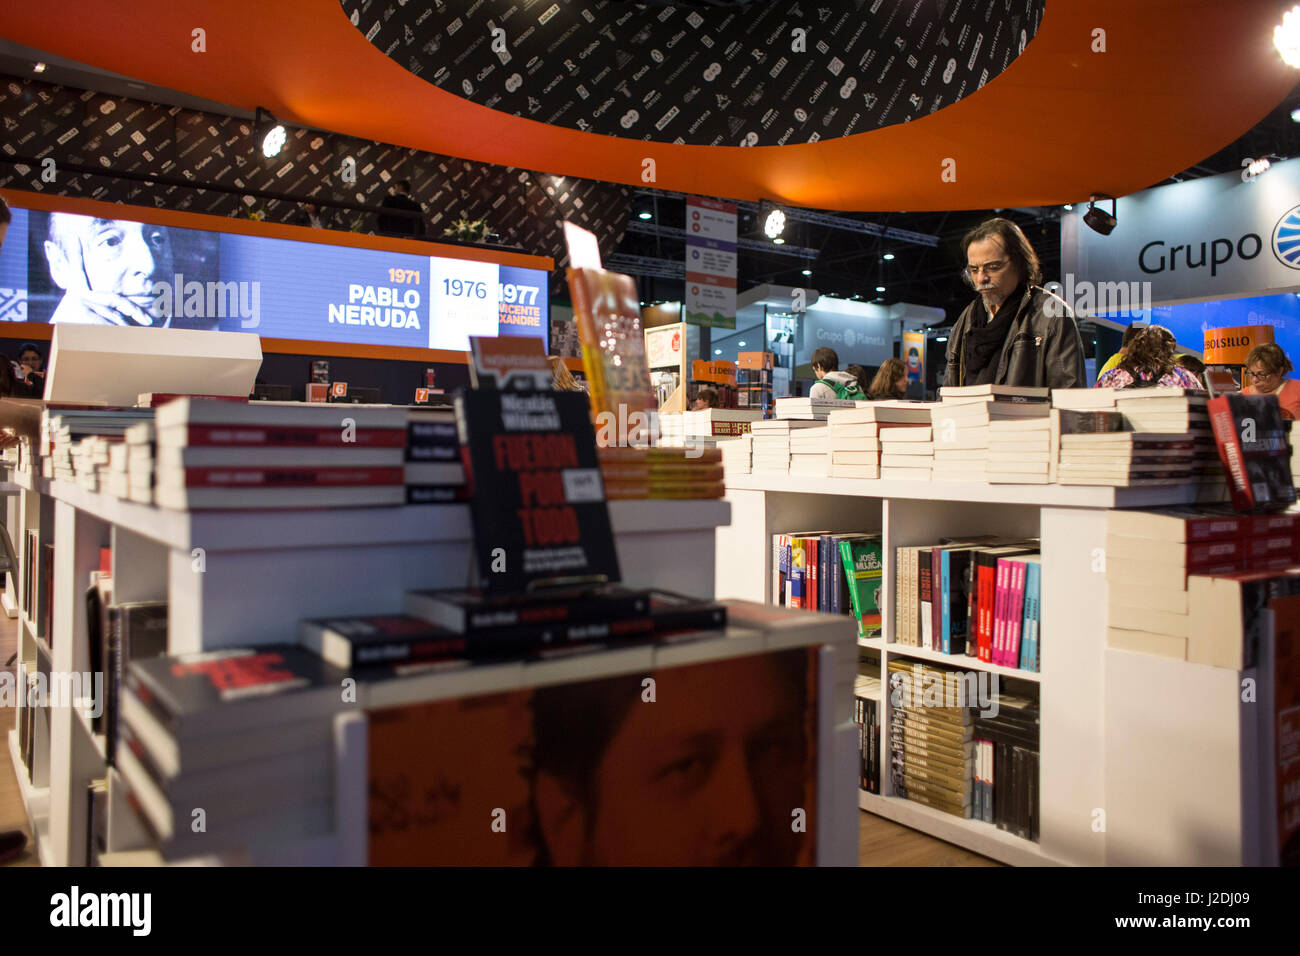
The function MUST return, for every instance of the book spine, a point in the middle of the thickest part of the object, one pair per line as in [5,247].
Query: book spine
[945,604]
[609,607]
[1029,655]
[291,477]
[847,563]
[775,580]
[926,599]
[1228,441]
[936,607]
[999,608]
[1015,612]
[900,589]
[787,550]
[971,577]
[305,436]
[811,561]
[914,594]
[987,573]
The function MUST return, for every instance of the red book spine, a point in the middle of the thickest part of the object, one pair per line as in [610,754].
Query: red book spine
[1213,552]
[986,582]
[291,477]
[227,435]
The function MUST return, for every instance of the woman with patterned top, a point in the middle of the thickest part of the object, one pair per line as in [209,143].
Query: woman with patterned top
[1148,361]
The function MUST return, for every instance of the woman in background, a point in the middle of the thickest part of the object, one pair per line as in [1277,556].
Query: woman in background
[890,382]
[1266,368]
[1149,360]
[562,379]
[860,373]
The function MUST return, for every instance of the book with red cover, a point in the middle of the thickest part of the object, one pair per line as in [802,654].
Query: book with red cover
[925,578]
[1252,441]
[291,477]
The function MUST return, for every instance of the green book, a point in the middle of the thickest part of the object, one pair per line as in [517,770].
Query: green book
[863,569]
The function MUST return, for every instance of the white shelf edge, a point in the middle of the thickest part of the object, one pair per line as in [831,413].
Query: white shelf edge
[960,661]
[1064,496]
[973,835]
[9,604]
[99,741]
[35,799]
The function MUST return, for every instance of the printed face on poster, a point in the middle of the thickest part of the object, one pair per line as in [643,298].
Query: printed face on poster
[62,267]
[595,774]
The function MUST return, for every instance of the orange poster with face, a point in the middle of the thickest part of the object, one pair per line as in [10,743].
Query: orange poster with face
[655,769]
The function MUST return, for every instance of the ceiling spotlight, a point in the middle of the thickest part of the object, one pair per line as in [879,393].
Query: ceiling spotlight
[717,351]
[880,288]
[1068,207]
[888,257]
[774,224]
[1286,37]
[1257,167]
[778,241]
[38,67]
[807,272]
[941,338]
[1098,219]
[741,344]
[271,133]
[1295,116]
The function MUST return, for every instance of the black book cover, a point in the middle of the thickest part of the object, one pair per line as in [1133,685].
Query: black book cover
[537,497]
[95,631]
[672,613]
[1033,796]
[959,623]
[468,611]
[180,689]
[436,494]
[1089,423]
[137,631]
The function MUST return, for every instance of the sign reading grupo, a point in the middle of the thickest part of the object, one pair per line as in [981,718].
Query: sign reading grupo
[64,267]
[1211,238]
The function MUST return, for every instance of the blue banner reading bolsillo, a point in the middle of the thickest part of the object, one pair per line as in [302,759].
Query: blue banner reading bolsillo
[63,267]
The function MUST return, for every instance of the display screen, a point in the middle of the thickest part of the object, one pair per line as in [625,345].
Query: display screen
[1190,321]
[62,267]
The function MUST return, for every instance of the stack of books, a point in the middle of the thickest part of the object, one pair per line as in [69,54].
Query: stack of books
[961,422]
[810,450]
[906,452]
[771,451]
[75,441]
[1006,766]
[867,711]
[931,748]
[855,445]
[737,455]
[433,470]
[1152,558]
[1123,459]
[1020,451]
[809,409]
[139,463]
[707,426]
[1180,411]
[692,472]
[279,455]
[240,740]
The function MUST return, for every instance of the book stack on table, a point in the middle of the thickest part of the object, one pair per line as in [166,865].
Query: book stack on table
[737,455]
[708,426]
[772,443]
[907,452]
[239,741]
[279,455]
[810,451]
[433,472]
[1180,411]
[808,409]
[961,421]
[691,472]
[1020,451]
[75,441]
[855,434]
[1154,560]
[139,463]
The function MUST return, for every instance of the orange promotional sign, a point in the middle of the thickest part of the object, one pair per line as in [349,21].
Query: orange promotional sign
[702,370]
[1231,346]
[339,389]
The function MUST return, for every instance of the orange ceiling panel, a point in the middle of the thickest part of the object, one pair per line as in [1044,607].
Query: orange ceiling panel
[1180,79]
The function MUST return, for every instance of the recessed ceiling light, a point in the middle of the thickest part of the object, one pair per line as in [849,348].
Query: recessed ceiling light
[38,67]
[717,351]
[645,214]
[807,272]
[941,338]
[1068,206]
[778,241]
[741,344]
[880,288]
[1295,116]
[888,257]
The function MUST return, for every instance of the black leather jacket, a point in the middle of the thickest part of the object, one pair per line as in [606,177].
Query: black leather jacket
[1043,347]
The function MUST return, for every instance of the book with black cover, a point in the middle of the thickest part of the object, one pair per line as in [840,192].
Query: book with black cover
[537,497]
[472,610]
[1253,445]
[234,689]
[137,631]
[673,613]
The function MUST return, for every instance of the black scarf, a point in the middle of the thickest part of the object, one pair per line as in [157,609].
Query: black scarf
[982,347]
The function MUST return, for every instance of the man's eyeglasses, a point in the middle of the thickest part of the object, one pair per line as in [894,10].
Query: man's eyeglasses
[1259,376]
[992,268]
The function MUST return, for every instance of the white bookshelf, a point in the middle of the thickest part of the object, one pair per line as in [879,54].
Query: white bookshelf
[1071,684]
[264,571]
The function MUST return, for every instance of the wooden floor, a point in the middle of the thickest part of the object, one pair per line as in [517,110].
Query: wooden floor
[881,842]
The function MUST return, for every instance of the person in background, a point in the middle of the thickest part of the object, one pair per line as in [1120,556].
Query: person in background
[399,197]
[1015,332]
[1192,364]
[860,373]
[1118,357]
[562,379]
[313,216]
[890,381]
[706,398]
[831,382]
[1266,368]
[29,372]
[106,268]
[1149,360]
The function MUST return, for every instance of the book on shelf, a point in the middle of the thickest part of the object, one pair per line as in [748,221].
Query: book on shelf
[135,631]
[471,611]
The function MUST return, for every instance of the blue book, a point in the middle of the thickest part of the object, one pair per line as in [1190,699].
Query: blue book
[1029,626]
[945,613]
